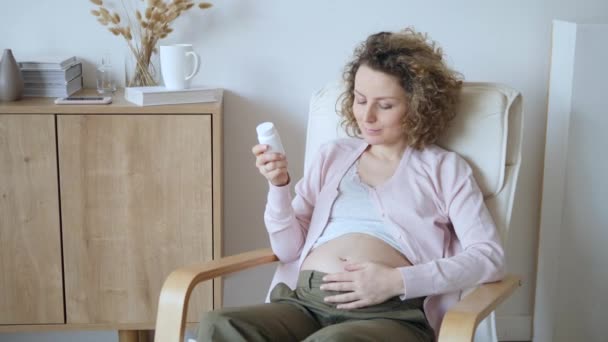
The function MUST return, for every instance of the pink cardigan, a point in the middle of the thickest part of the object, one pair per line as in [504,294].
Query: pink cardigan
[432,205]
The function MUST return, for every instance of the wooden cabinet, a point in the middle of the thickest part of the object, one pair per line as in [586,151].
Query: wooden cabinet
[31,290]
[98,204]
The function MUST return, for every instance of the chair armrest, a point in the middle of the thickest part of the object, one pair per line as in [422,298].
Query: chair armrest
[461,321]
[175,293]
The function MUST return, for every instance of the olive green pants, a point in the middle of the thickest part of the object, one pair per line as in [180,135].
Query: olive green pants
[302,315]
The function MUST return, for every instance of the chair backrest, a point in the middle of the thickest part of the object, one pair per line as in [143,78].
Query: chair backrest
[487,132]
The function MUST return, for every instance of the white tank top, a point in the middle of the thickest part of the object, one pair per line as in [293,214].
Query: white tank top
[354,212]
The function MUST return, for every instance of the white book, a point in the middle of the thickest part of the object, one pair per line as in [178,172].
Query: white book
[153,96]
[48,63]
[53,90]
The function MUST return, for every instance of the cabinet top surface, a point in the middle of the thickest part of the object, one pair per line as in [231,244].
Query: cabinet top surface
[45,105]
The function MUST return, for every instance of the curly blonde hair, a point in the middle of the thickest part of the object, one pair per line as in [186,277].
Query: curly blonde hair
[431,87]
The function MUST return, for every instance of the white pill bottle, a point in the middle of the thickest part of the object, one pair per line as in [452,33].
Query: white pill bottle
[268,135]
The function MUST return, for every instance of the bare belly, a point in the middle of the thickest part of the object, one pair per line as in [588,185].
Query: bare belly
[333,255]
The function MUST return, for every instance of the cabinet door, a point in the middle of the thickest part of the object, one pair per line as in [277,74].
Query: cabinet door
[31,289]
[136,204]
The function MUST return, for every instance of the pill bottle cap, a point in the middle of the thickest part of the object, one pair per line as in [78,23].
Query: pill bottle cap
[265,129]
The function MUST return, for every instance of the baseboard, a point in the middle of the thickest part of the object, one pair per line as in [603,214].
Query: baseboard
[514,328]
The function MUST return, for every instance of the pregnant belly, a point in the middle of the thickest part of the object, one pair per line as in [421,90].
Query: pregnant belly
[333,255]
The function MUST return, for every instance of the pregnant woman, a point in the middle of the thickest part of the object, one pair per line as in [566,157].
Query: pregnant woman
[385,227]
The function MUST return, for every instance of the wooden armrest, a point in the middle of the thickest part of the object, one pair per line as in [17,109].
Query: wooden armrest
[461,321]
[174,296]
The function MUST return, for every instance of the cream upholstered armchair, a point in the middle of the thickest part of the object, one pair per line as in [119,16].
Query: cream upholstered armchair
[487,132]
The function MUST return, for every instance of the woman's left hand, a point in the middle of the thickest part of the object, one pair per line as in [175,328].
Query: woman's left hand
[364,284]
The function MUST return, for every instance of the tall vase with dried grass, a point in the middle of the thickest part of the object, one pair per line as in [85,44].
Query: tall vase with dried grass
[153,23]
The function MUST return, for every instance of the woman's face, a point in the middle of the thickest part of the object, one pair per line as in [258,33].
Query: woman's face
[379,105]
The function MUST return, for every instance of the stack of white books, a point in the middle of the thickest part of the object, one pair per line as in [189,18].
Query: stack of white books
[51,76]
[153,96]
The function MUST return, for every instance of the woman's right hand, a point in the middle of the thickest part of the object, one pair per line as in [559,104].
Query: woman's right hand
[271,165]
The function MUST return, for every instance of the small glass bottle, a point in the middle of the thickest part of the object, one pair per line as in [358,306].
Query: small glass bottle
[105,80]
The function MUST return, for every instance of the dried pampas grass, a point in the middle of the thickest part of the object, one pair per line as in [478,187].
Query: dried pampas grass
[149,26]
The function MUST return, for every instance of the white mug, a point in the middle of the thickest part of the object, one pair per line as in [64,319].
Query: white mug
[173,63]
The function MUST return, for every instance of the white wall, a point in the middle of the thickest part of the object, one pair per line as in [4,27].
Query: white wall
[572,277]
[582,294]
[271,55]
